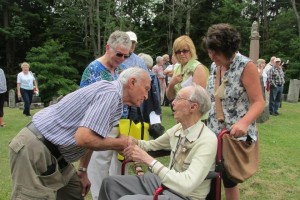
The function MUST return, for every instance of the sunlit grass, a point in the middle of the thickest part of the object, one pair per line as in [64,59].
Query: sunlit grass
[278,176]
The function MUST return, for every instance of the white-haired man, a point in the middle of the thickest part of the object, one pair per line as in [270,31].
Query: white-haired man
[193,146]
[70,130]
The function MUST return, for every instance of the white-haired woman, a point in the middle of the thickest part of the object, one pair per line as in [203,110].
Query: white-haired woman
[25,85]
[159,71]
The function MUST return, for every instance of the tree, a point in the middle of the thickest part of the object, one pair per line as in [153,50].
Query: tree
[53,69]
[296,12]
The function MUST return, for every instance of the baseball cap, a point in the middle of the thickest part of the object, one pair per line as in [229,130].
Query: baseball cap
[132,36]
[277,60]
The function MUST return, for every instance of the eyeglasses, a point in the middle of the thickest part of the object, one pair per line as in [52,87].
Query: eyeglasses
[179,98]
[184,51]
[120,55]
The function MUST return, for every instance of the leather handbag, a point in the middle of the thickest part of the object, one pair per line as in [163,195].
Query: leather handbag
[241,158]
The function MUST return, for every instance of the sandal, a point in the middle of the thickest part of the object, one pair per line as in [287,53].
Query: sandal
[2,125]
[137,169]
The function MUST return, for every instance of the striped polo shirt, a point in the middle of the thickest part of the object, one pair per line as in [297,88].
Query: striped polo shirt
[97,107]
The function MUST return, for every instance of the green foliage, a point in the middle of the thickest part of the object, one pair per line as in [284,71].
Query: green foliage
[53,69]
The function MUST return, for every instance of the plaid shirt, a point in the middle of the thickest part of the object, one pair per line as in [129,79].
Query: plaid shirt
[276,76]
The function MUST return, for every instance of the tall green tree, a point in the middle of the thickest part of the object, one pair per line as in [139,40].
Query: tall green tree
[53,69]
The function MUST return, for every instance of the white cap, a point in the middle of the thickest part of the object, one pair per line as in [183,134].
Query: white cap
[277,60]
[132,36]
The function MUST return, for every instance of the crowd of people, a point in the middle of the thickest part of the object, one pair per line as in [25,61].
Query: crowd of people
[84,125]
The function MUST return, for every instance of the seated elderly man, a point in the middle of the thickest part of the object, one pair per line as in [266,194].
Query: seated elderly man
[193,150]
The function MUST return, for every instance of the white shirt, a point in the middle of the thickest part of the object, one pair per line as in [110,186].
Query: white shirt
[26,80]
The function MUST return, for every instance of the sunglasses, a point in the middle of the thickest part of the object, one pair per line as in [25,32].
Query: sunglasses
[120,55]
[184,51]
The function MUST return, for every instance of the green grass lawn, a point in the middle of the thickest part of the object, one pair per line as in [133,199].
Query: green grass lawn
[278,176]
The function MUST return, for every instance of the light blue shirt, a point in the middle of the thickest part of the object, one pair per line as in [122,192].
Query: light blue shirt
[26,80]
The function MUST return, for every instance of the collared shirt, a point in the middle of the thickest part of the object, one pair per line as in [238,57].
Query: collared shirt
[192,156]
[3,87]
[276,76]
[26,80]
[97,107]
[235,102]
[96,71]
[134,61]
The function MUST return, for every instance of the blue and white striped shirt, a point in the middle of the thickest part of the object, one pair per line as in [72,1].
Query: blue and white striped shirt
[97,107]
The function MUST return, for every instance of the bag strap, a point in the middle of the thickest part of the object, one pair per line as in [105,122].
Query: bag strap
[140,119]
[219,109]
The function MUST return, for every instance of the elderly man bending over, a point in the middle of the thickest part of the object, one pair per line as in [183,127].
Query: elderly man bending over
[193,150]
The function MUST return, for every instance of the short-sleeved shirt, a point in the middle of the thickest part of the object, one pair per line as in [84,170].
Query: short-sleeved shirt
[235,103]
[134,61]
[26,80]
[276,76]
[97,107]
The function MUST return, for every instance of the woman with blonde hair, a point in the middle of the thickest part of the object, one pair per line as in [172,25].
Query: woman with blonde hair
[188,69]
[25,85]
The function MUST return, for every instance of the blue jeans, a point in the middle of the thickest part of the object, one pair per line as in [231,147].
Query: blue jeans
[27,98]
[275,98]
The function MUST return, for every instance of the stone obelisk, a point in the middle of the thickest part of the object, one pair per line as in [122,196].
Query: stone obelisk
[254,42]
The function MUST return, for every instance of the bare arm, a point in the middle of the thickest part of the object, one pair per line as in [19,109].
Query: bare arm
[170,92]
[83,164]
[89,139]
[19,90]
[200,76]
[251,82]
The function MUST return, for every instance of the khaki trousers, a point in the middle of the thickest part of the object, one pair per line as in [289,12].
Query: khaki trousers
[36,174]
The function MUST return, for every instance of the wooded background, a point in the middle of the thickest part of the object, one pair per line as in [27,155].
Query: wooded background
[59,38]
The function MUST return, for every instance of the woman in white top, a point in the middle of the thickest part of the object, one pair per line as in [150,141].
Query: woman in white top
[25,85]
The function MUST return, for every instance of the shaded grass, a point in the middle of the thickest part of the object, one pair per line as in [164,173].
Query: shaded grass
[278,175]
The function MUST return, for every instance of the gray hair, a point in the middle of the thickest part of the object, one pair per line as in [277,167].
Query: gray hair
[133,72]
[201,97]
[260,61]
[119,38]
[159,58]
[147,59]
[25,64]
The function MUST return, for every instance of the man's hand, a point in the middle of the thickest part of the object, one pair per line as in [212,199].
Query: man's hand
[85,183]
[137,154]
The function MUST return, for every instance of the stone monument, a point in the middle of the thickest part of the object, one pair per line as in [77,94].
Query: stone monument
[294,88]
[12,98]
[254,55]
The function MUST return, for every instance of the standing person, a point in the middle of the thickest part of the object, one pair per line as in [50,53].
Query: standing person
[266,80]
[159,71]
[118,48]
[25,84]
[261,63]
[168,72]
[70,130]
[193,146]
[276,78]
[241,99]
[188,69]
[3,89]
[134,60]
[166,58]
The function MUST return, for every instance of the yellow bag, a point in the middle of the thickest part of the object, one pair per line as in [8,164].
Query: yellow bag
[137,130]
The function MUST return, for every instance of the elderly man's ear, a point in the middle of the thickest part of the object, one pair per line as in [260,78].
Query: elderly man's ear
[131,82]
